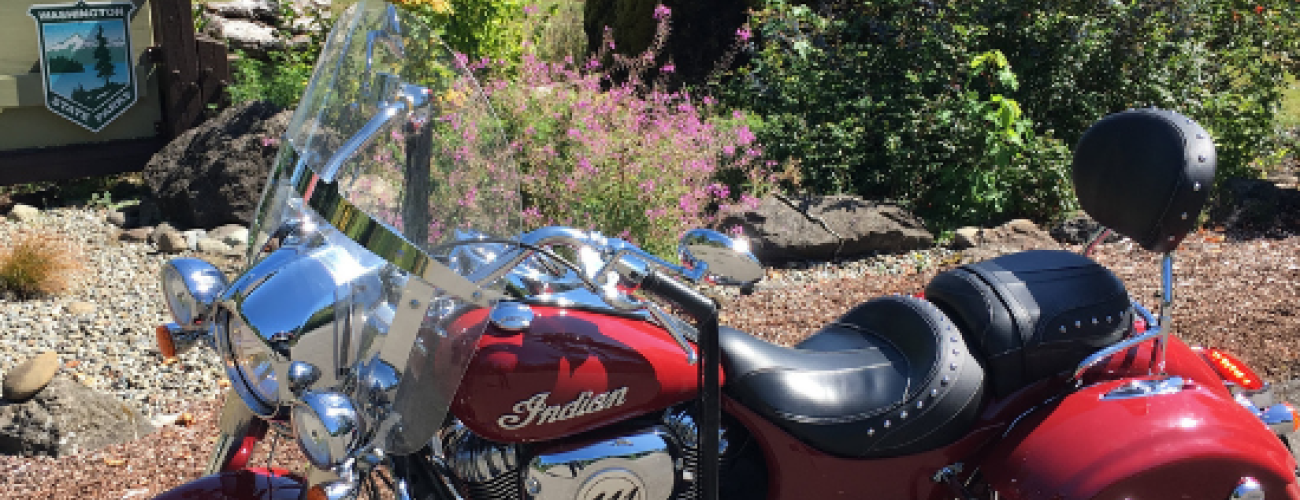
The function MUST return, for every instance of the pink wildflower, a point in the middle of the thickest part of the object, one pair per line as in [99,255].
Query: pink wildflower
[744,34]
[662,11]
[744,136]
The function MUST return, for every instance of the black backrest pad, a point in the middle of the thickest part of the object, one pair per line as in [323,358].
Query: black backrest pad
[1146,174]
[1034,314]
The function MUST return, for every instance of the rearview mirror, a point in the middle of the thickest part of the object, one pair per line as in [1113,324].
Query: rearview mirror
[729,261]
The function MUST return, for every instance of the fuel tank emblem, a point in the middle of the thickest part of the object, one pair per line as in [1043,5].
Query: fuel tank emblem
[535,410]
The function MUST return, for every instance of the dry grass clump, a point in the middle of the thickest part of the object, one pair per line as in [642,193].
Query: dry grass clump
[37,264]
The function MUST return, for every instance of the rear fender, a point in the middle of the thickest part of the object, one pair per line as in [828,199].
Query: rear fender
[248,484]
[1195,443]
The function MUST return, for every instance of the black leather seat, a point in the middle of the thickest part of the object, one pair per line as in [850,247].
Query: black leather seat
[1033,315]
[892,377]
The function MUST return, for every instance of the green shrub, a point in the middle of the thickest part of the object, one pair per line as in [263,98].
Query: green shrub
[283,76]
[896,103]
[885,99]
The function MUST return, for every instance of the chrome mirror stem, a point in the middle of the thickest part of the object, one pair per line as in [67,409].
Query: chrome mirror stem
[358,141]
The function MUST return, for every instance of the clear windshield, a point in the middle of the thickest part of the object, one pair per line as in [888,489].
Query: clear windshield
[394,153]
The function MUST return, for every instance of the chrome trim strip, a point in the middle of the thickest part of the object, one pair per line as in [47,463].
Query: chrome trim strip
[1147,388]
[1248,489]
[383,241]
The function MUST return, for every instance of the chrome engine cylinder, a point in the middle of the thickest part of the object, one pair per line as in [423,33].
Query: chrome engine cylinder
[653,462]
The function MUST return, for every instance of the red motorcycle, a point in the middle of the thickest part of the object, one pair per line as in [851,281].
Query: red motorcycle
[398,324]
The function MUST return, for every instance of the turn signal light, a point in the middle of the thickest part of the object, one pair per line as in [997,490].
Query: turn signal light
[1233,370]
[166,346]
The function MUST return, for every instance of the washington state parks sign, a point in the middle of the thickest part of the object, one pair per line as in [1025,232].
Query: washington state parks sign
[86,60]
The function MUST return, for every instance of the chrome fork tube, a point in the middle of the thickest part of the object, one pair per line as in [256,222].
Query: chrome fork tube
[237,423]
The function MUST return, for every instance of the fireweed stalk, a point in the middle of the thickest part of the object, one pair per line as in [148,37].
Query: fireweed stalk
[628,159]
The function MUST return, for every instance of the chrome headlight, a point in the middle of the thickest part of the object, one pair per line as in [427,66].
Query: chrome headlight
[191,286]
[327,427]
[254,361]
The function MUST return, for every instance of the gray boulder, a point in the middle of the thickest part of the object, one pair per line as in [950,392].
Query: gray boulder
[137,235]
[213,174]
[172,241]
[67,418]
[212,246]
[230,234]
[24,213]
[243,34]
[25,380]
[1015,236]
[822,228]
[245,9]
[1079,230]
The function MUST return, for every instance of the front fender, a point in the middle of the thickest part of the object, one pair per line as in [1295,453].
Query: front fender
[237,485]
[1196,443]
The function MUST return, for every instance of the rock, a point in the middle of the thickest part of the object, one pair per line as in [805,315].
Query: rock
[779,233]
[116,218]
[242,34]
[158,231]
[868,227]
[172,242]
[1015,236]
[853,227]
[212,246]
[245,9]
[230,234]
[965,237]
[137,235]
[1257,207]
[213,174]
[24,213]
[29,377]
[193,236]
[702,32]
[79,308]
[68,418]
[146,213]
[1079,230]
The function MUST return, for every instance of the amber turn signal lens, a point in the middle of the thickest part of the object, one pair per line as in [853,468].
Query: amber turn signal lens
[166,345]
[1295,417]
[1233,370]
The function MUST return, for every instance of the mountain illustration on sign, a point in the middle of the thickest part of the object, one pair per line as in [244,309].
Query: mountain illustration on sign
[95,57]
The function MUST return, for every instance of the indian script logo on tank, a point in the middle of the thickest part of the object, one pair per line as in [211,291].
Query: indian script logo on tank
[86,60]
[535,410]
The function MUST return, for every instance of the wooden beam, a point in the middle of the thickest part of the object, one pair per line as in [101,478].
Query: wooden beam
[21,166]
[174,32]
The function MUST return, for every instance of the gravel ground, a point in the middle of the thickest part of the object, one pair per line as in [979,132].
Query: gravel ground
[1239,294]
[110,348]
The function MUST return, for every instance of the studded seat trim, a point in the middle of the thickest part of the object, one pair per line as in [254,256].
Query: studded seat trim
[891,377]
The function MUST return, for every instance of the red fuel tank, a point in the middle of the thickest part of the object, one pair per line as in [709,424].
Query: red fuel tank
[570,371]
